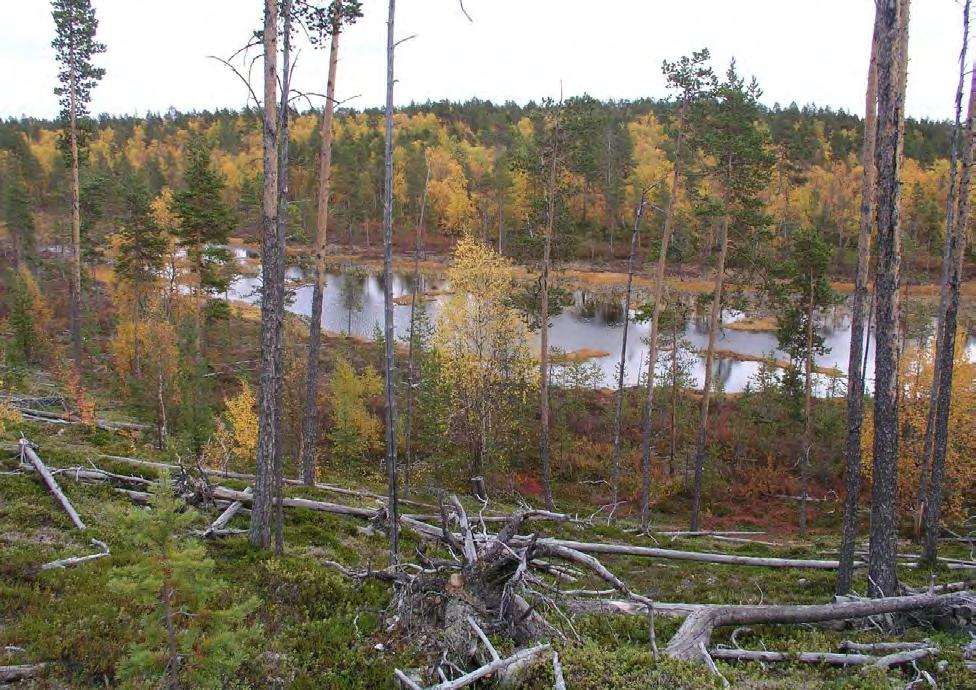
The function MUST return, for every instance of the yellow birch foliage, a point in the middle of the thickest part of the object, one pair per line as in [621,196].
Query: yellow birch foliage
[959,493]
[243,421]
[355,430]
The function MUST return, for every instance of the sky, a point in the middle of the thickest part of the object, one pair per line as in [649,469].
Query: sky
[519,50]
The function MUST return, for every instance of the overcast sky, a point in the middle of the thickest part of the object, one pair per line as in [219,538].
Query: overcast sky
[808,52]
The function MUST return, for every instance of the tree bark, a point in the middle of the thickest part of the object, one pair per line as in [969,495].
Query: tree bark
[944,358]
[389,371]
[658,298]
[619,409]
[311,418]
[947,266]
[859,343]
[265,485]
[713,325]
[892,53]
[544,323]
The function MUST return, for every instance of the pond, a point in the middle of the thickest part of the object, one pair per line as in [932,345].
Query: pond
[353,305]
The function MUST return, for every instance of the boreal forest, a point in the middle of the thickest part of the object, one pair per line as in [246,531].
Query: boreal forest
[668,392]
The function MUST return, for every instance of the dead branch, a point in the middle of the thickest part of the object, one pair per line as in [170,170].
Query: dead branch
[222,492]
[52,485]
[76,560]
[557,672]
[883,647]
[496,666]
[218,525]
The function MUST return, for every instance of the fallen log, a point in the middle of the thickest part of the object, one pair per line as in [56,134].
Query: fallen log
[832,658]
[700,556]
[14,674]
[557,672]
[708,533]
[52,485]
[76,560]
[881,647]
[209,471]
[698,626]
[218,525]
[222,492]
[59,418]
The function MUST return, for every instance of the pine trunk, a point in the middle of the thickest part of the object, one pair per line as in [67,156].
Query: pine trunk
[264,484]
[855,368]
[619,409]
[75,213]
[882,567]
[658,298]
[310,422]
[713,324]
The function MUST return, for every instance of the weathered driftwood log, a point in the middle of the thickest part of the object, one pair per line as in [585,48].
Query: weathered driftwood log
[832,658]
[62,563]
[49,480]
[14,674]
[217,526]
[698,626]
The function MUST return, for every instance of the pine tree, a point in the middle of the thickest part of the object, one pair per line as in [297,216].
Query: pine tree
[205,222]
[185,638]
[141,247]
[17,214]
[801,290]
[76,47]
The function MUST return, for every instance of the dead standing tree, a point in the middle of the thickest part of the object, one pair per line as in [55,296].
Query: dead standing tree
[855,376]
[892,59]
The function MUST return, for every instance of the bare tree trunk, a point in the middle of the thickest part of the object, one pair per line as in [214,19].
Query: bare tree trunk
[619,410]
[882,571]
[674,394]
[859,343]
[75,215]
[948,261]
[311,417]
[264,484]
[713,324]
[411,372]
[391,468]
[279,286]
[944,359]
[662,262]
[544,321]
[807,417]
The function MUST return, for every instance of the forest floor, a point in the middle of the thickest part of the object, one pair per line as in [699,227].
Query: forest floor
[322,629]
